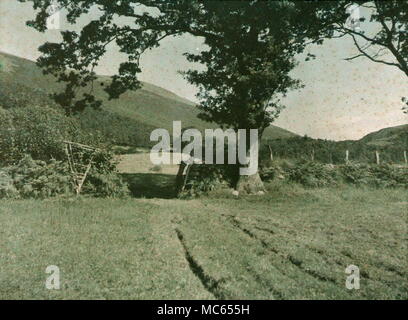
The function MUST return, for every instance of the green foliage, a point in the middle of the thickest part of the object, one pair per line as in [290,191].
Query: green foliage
[115,128]
[7,188]
[39,132]
[382,176]
[315,174]
[36,179]
[103,179]
[247,69]
[105,185]
[40,179]
[247,65]
[390,142]
[207,177]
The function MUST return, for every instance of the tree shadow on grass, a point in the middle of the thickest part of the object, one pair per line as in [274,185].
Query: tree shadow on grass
[151,185]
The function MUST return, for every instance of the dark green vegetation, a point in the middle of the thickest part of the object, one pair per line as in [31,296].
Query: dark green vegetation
[311,174]
[388,137]
[290,244]
[33,125]
[389,142]
[125,121]
[38,179]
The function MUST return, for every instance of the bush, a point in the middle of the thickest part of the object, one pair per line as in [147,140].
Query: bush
[39,132]
[7,188]
[203,178]
[315,174]
[39,179]
[381,176]
[103,180]
[36,179]
[274,171]
[105,185]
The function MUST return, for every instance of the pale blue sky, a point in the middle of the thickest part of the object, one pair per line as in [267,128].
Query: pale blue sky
[341,100]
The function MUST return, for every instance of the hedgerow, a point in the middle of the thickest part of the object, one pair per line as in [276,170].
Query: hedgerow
[314,174]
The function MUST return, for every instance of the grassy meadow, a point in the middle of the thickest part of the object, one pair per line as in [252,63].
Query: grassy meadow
[292,243]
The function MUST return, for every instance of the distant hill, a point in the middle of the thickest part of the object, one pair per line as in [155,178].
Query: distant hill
[390,142]
[387,137]
[142,110]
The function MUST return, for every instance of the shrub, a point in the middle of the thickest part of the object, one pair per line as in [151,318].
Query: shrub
[103,180]
[203,178]
[313,174]
[39,132]
[37,179]
[273,171]
[40,179]
[105,185]
[7,188]
[383,176]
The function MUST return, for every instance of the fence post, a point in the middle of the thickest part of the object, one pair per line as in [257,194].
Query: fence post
[312,155]
[377,157]
[270,152]
[405,158]
[347,156]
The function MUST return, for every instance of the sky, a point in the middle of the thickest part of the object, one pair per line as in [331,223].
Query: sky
[341,100]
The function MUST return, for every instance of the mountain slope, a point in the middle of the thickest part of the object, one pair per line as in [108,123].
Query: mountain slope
[387,137]
[149,107]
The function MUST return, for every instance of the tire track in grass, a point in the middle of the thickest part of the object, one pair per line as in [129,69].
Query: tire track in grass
[218,288]
[209,283]
[295,262]
[329,259]
[298,263]
[237,224]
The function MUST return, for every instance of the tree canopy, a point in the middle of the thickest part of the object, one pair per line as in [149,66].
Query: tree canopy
[251,44]
[251,47]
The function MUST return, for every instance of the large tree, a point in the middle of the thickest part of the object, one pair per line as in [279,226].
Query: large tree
[251,50]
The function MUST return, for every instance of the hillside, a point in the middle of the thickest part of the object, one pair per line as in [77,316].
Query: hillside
[147,108]
[387,137]
[390,142]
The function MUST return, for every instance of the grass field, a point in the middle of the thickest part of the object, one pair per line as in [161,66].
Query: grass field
[290,244]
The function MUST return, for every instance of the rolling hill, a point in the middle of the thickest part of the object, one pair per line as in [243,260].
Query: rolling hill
[387,137]
[142,110]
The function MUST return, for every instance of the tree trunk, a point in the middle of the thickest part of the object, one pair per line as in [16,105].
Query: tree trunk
[252,182]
